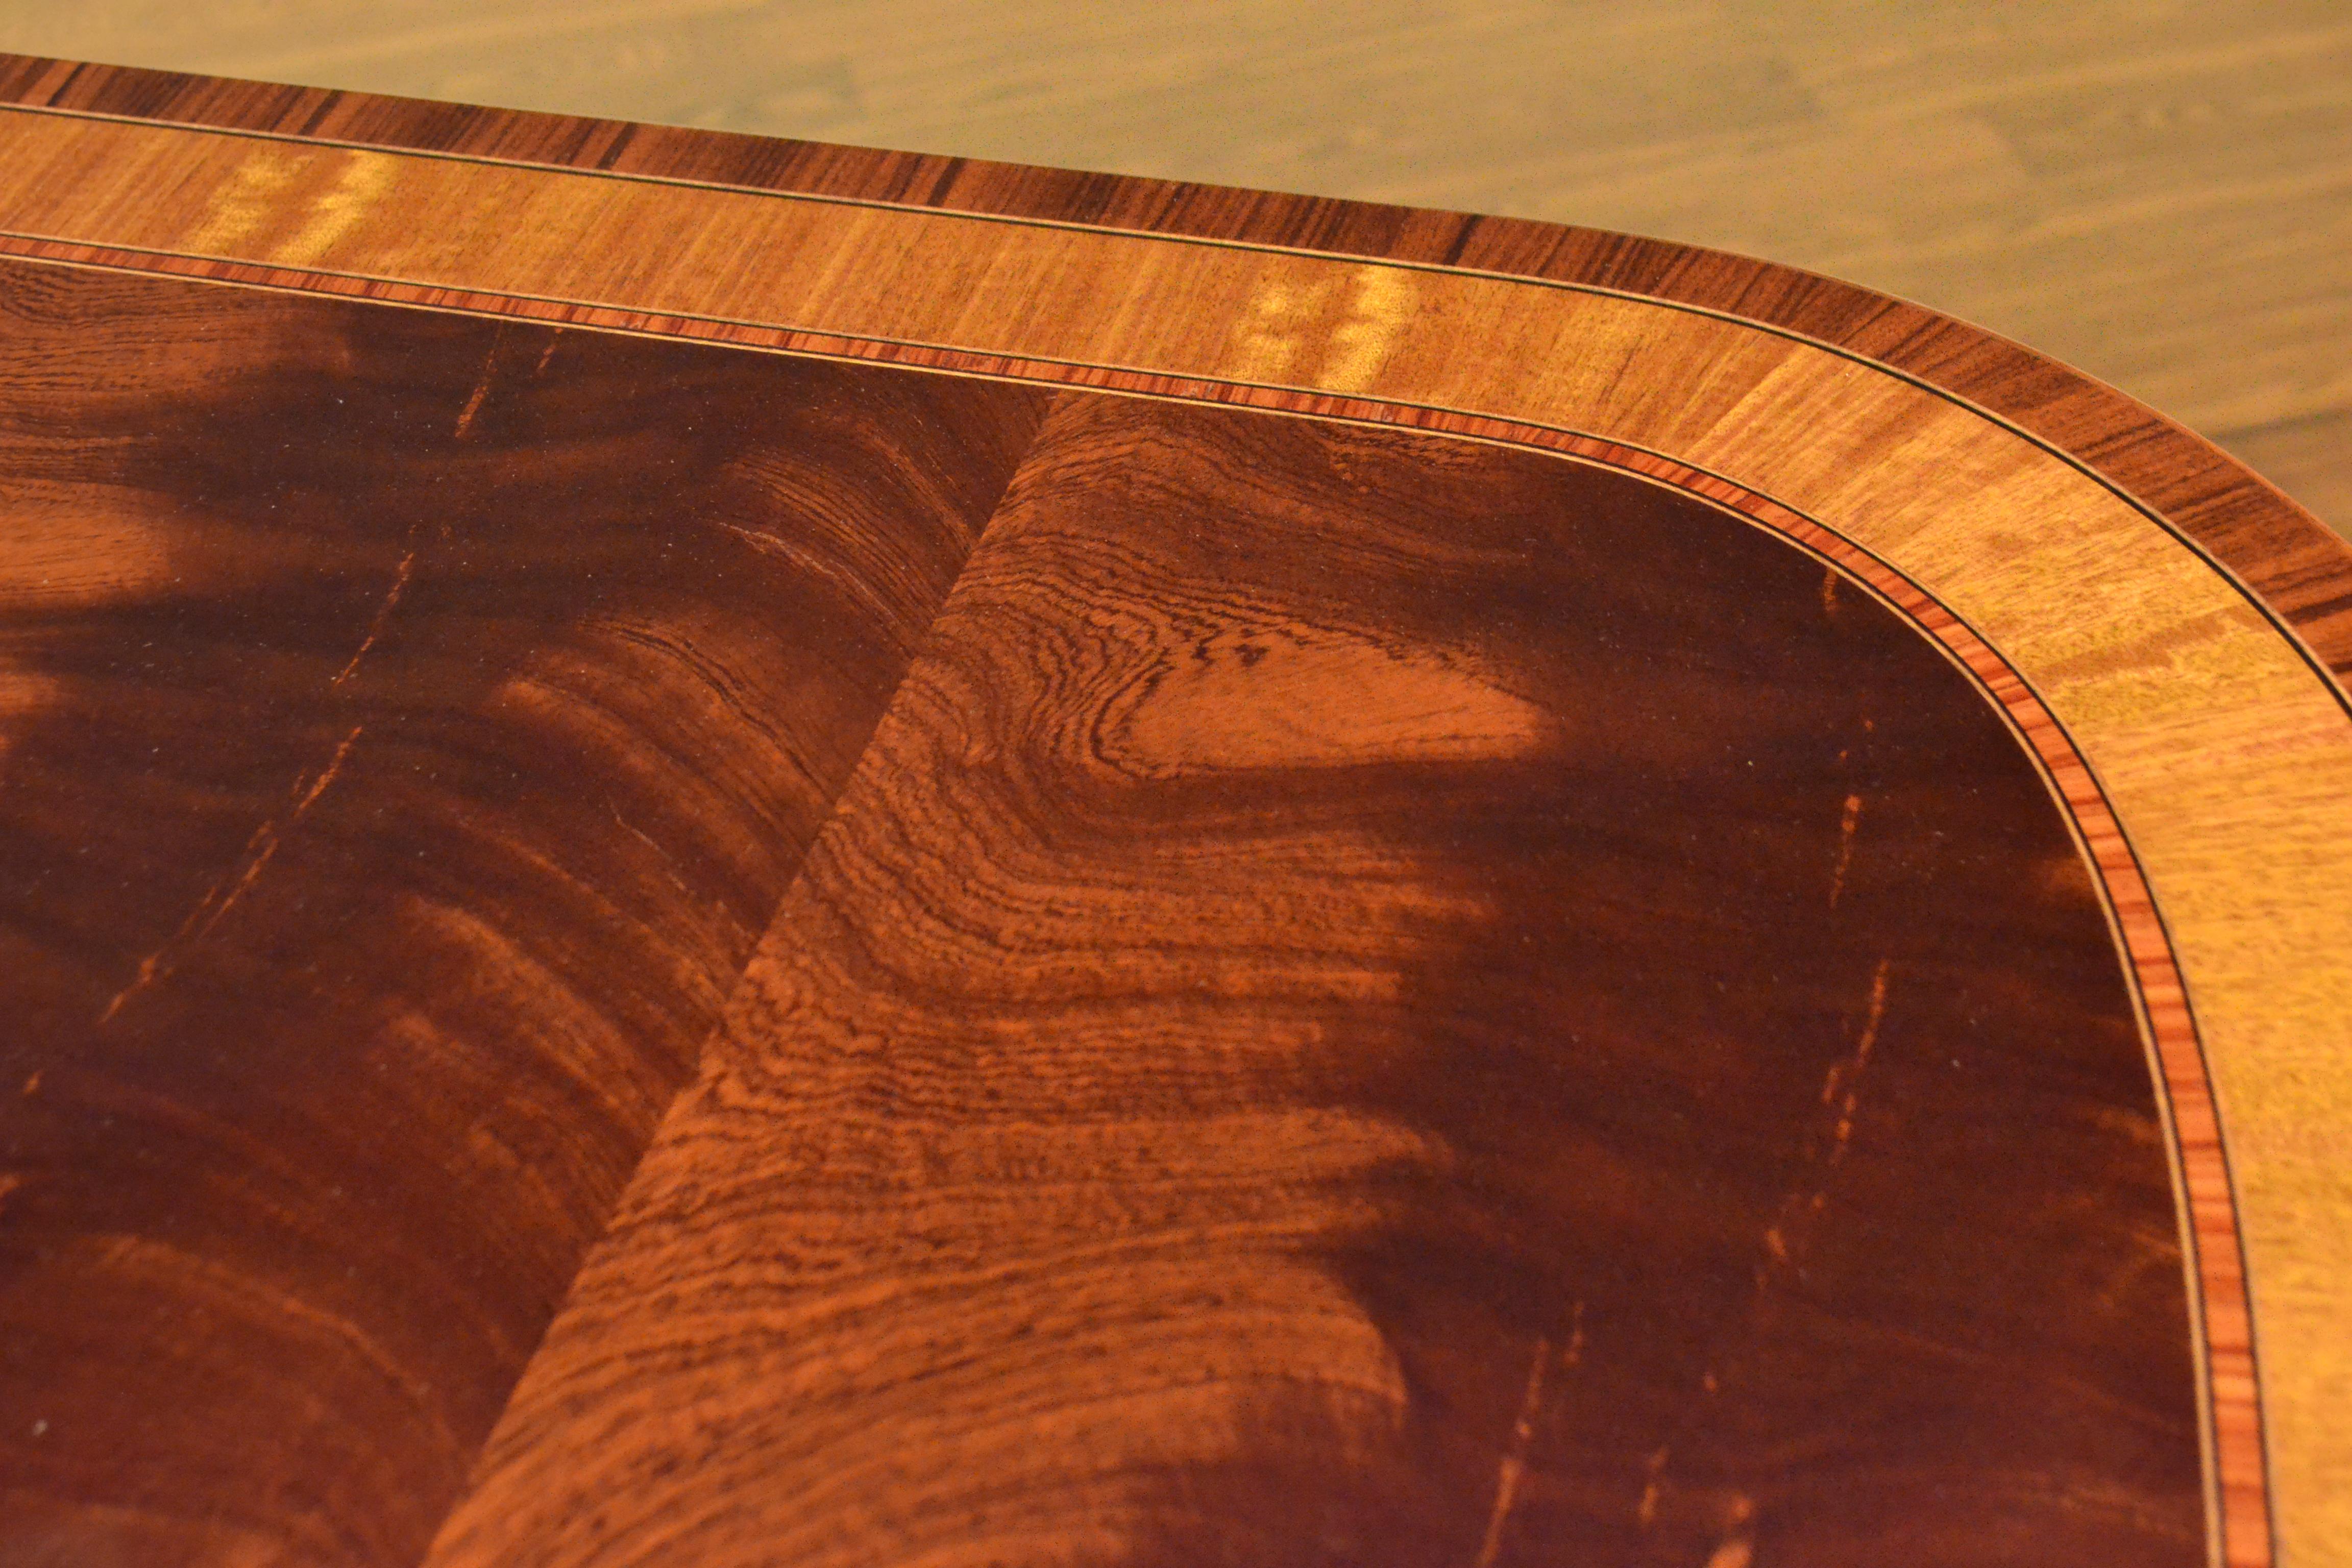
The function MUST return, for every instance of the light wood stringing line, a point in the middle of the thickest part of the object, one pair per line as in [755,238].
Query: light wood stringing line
[2229,761]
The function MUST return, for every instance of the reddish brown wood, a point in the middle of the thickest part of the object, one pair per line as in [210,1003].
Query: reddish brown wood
[2089,1416]
[413,722]
[2297,566]
[1322,890]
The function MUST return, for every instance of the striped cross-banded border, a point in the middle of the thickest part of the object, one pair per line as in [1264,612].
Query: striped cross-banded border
[2239,1526]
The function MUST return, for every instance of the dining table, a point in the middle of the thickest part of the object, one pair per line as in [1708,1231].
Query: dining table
[740,853]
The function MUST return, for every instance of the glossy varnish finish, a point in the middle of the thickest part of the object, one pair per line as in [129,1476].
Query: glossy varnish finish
[2156,195]
[2127,635]
[2291,558]
[411,724]
[1379,1000]
[2205,760]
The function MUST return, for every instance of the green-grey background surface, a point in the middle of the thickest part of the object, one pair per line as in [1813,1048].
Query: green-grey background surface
[2161,193]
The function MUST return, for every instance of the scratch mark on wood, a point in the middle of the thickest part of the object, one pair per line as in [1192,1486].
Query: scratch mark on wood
[1514,1458]
[326,776]
[1850,1078]
[216,903]
[384,612]
[1646,1512]
[1841,1090]
[1842,1073]
[481,391]
[1845,846]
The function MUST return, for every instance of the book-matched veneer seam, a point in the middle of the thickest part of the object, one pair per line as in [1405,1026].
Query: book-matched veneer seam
[2234,1436]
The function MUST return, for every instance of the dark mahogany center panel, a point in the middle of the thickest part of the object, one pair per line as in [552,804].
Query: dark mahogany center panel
[1371,1000]
[1379,1000]
[410,725]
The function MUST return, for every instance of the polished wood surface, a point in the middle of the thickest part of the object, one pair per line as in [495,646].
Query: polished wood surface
[1262,1070]
[413,723]
[2155,194]
[1244,996]
[2287,554]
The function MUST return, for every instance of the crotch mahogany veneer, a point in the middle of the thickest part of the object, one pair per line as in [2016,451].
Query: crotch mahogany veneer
[734,853]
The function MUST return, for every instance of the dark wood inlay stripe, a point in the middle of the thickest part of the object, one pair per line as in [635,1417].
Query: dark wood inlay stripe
[2295,563]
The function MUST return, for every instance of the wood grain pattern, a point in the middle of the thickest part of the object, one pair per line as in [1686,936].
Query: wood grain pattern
[2128,636]
[2291,560]
[2158,195]
[2207,761]
[1379,1001]
[413,723]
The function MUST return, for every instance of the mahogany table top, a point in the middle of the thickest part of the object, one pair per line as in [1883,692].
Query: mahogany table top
[737,852]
